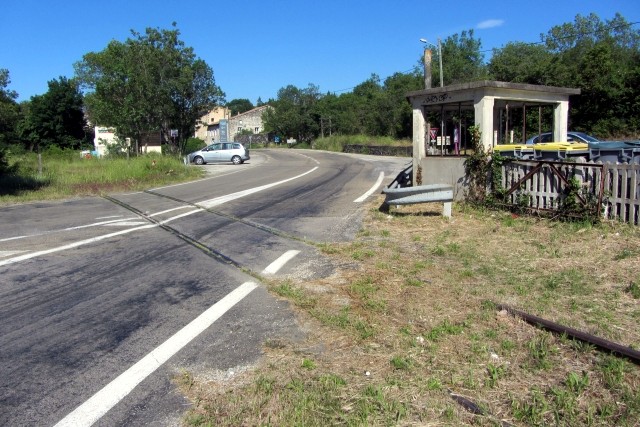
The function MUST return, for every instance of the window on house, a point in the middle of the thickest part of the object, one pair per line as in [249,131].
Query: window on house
[239,129]
[256,130]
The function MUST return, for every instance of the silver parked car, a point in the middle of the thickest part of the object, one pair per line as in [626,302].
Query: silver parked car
[233,152]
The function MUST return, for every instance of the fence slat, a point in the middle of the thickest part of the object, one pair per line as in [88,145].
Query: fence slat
[618,183]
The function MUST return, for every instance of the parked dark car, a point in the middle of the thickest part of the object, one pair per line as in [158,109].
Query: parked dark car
[220,152]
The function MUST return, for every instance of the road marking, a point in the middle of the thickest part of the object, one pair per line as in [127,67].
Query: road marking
[170,210]
[71,245]
[105,399]
[276,265]
[371,190]
[78,227]
[125,223]
[12,238]
[9,253]
[173,218]
[229,197]
[202,205]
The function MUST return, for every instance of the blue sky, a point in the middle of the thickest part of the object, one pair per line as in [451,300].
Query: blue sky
[257,47]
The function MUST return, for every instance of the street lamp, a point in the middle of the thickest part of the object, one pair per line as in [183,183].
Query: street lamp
[439,47]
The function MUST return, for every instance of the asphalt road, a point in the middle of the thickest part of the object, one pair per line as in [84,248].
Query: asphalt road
[105,301]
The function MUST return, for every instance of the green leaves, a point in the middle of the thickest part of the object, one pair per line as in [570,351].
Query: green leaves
[148,83]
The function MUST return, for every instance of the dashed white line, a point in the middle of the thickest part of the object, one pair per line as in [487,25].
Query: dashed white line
[276,265]
[371,190]
[105,399]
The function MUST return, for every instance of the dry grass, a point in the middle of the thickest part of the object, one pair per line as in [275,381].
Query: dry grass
[414,321]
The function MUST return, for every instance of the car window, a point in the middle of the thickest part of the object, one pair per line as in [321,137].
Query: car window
[547,137]
[236,146]
[227,146]
[216,147]
[587,138]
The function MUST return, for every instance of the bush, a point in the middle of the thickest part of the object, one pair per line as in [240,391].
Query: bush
[193,144]
[5,167]
[338,142]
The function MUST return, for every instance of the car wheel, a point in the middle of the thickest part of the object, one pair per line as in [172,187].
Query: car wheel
[198,160]
[236,160]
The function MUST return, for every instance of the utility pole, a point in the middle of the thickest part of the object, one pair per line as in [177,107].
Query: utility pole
[440,59]
[427,68]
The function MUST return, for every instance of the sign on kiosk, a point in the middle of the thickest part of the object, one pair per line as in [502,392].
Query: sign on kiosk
[433,134]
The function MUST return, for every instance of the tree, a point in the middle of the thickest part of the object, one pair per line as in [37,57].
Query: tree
[9,110]
[150,82]
[520,63]
[55,118]
[462,60]
[603,60]
[294,114]
[238,106]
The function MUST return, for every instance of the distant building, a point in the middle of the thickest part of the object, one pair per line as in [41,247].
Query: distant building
[213,124]
[103,136]
[208,127]
[250,120]
[151,142]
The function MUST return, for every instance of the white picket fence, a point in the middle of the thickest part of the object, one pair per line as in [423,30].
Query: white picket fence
[539,186]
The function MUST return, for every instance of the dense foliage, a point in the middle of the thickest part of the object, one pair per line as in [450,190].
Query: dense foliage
[55,118]
[153,82]
[150,82]
[600,58]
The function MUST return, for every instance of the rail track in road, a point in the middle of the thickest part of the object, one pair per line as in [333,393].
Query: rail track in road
[209,251]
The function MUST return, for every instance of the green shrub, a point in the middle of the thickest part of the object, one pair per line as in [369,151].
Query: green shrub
[193,144]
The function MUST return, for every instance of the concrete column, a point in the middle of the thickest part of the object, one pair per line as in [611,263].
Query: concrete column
[560,119]
[419,130]
[484,119]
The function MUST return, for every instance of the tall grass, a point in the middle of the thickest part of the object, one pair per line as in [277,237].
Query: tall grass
[65,174]
[337,143]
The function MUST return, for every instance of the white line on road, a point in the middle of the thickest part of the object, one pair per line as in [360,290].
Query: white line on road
[110,216]
[276,265]
[224,199]
[125,223]
[105,399]
[78,227]
[71,245]
[170,210]
[371,190]
[9,253]
[203,205]
[12,238]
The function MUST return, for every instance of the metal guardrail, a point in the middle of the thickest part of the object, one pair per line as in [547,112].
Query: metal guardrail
[420,194]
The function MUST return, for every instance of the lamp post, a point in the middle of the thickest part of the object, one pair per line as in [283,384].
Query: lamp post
[439,47]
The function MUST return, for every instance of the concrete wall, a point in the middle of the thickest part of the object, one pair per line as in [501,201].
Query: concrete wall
[444,170]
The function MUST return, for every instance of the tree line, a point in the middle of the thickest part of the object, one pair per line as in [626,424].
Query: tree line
[153,82]
[602,58]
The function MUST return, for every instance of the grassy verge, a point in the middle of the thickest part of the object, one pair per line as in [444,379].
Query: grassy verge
[337,143]
[68,175]
[408,333]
